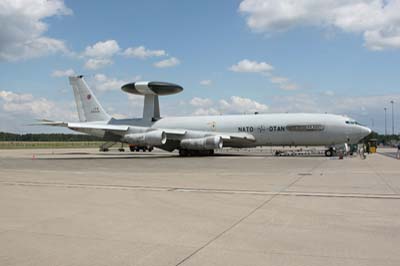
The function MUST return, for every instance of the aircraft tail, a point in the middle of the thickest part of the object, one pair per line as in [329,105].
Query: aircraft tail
[89,108]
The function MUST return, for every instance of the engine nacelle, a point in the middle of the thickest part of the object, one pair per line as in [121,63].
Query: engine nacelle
[154,138]
[207,143]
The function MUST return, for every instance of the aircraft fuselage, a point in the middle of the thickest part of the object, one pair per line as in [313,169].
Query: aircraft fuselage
[268,129]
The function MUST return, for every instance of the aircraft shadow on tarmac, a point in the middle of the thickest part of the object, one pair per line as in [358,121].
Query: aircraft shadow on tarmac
[113,156]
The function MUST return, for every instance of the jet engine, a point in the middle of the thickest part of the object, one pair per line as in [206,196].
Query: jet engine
[207,143]
[153,138]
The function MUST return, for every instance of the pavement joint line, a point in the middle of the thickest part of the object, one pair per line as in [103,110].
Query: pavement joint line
[384,181]
[390,155]
[264,203]
[92,238]
[309,255]
[187,171]
[211,191]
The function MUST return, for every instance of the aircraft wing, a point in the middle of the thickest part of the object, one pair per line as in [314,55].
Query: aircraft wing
[82,126]
[232,139]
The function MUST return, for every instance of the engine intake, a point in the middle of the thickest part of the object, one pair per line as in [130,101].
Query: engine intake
[154,138]
[207,143]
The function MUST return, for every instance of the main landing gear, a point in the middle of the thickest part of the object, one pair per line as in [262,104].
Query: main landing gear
[187,153]
[330,152]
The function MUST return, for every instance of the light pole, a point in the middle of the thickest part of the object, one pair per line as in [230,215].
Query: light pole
[392,102]
[385,121]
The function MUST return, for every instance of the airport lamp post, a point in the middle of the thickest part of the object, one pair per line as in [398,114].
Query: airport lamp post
[385,121]
[392,102]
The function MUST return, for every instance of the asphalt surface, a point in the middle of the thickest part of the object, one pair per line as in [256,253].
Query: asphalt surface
[82,207]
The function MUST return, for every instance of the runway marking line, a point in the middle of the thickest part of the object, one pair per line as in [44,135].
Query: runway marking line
[285,192]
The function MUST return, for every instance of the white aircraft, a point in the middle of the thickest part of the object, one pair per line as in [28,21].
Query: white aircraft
[201,135]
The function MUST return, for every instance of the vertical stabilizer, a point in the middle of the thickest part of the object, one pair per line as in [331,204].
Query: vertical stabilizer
[89,108]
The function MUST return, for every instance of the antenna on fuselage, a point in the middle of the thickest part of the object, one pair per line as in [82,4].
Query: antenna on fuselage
[151,91]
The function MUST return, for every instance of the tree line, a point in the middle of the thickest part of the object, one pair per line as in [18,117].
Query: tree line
[4,136]
[382,139]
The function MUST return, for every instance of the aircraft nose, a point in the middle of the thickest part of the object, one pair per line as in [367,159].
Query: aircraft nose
[365,131]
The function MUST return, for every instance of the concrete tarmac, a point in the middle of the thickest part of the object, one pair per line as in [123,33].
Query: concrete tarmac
[83,207]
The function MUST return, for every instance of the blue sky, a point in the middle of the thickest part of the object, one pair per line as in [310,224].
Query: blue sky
[230,56]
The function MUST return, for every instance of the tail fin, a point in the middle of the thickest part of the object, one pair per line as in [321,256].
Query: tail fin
[89,108]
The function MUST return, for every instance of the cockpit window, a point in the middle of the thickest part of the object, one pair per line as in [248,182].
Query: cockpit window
[352,122]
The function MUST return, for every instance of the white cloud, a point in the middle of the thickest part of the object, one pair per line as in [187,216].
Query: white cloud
[380,40]
[26,105]
[206,111]
[329,93]
[263,68]
[100,54]
[206,82]
[104,49]
[234,105]
[170,62]
[63,73]
[102,82]
[22,28]
[251,66]
[278,80]
[238,104]
[377,20]
[143,53]
[201,102]
[9,96]
[96,63]
[283,83]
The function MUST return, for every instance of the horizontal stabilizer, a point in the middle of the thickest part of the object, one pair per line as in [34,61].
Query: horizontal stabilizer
[45,122]
[98,126]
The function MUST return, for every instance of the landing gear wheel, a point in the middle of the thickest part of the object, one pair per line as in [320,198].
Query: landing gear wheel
[329,153]
[121,149]
[103,149]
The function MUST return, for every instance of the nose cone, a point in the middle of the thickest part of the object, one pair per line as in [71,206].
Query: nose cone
[365,131]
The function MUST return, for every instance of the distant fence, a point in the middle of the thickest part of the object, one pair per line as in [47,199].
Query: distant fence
[48,144]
